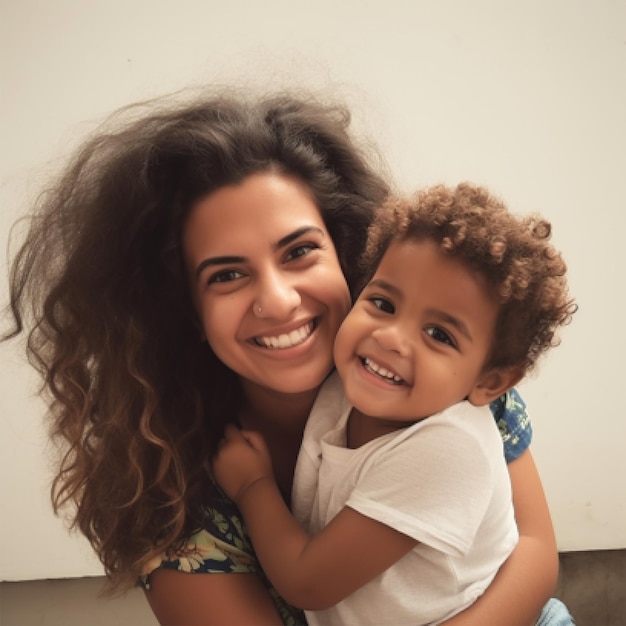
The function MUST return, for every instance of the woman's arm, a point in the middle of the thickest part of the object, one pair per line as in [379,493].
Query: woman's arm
[528,578]
[216,599]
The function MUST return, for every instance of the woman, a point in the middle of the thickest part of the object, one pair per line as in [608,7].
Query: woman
[188,271]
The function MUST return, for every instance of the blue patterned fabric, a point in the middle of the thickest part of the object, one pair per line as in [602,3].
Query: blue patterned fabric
[513,422]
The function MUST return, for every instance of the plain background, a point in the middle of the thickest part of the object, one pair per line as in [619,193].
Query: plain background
[527,98]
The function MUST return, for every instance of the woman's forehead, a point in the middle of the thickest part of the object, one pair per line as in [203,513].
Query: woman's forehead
[264,207]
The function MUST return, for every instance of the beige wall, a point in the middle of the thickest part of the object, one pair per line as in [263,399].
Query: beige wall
[526,97]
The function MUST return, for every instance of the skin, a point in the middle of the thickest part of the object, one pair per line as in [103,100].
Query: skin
[266,282]
[270,295]
[416,342]
[519,590]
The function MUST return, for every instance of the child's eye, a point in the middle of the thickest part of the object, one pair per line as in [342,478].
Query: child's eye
[440,335]
[383,304]
[300,251]
[225,276]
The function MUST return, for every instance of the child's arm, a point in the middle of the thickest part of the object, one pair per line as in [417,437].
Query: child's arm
[309,572]
[528,577]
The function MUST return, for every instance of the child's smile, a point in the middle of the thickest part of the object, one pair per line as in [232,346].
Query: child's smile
[419,335]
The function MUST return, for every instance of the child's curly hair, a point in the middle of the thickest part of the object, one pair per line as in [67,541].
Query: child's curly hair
[523,270]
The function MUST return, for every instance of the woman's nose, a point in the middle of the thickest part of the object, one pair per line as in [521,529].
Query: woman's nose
[277,297]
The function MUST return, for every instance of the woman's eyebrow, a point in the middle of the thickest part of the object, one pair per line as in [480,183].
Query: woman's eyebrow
[218,260]
[287,239]
[281,243]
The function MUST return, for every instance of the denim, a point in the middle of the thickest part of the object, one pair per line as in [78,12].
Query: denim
[555,613]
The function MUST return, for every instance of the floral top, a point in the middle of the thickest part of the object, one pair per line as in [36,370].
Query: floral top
[222,545]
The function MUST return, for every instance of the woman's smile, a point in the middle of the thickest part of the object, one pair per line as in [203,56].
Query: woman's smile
[266,281]
[287,339]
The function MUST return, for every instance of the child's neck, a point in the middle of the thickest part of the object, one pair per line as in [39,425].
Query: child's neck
[362,429]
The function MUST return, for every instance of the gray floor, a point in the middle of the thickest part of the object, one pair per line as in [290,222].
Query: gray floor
[592,584]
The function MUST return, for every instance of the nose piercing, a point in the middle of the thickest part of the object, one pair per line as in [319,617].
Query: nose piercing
[259,309]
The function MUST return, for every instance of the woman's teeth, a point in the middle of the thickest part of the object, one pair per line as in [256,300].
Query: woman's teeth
[287,340]
[374,368]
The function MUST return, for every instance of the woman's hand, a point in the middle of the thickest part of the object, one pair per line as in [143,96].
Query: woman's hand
[241,460]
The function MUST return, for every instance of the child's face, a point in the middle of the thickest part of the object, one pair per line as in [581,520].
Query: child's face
[419,335]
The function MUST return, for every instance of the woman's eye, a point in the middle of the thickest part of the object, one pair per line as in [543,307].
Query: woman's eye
[226,276]
[440,335]
[383,304]
[300,251]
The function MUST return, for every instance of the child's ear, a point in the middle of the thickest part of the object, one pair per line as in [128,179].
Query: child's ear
[493,383]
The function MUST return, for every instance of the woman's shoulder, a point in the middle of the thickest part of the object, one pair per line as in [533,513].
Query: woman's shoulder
[220,544]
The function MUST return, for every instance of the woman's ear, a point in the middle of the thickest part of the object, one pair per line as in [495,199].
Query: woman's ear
[493,383]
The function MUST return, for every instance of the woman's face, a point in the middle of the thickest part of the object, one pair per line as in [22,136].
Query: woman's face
[266,281]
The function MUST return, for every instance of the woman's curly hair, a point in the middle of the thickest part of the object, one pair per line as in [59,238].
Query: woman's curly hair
[99,287]
[521,268]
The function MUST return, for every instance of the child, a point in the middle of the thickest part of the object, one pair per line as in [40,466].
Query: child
[401,482]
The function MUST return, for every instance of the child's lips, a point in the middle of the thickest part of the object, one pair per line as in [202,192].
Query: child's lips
[381,371]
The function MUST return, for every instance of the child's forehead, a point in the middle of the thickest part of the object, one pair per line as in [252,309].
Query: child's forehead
[408,258]
[418,250]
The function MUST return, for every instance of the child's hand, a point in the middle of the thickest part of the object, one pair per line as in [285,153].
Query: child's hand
[242,459]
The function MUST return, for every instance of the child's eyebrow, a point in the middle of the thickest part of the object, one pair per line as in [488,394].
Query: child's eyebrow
[442,316]
[381,283]
[453,321]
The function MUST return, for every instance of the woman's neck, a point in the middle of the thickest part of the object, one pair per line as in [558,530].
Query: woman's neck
[281,419]
[264,408]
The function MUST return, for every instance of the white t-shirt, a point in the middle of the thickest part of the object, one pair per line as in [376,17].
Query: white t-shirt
[442,481]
